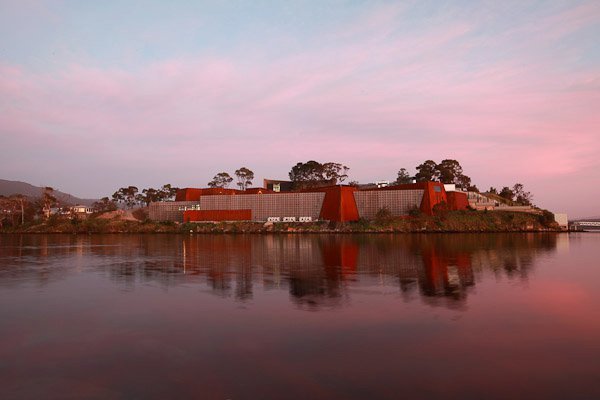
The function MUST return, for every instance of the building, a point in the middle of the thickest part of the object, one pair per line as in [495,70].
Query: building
[562,220]
[278,186]
[80,211]
[332,203]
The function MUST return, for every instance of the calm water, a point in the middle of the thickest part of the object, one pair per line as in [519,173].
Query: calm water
[300,316]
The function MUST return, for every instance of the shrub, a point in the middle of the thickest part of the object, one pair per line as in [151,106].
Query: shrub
[508,217]
[415,212]
[441,209]
[546,218]
[383,216]
[141,214]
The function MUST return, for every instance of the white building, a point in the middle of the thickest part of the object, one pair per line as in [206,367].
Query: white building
[80,210]
[562,220]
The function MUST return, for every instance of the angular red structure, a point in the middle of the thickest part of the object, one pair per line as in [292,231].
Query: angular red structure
[457,200]
[339,203]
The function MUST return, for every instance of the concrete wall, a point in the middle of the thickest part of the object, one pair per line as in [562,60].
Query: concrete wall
[398,202]
[262,206]
[168,210]
[268,205]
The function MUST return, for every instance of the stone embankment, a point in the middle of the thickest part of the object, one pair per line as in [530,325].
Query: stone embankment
[450,221]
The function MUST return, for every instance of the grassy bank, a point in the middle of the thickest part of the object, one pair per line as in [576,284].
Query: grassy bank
[450,221]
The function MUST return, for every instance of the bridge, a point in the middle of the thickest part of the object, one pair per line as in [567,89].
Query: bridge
[586,225]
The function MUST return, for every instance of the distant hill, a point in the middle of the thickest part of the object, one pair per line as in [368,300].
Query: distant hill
[596,218]
[8,188]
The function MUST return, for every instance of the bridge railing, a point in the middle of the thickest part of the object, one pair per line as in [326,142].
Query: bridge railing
[588,223]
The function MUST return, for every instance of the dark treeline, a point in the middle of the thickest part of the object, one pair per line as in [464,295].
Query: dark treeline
[451,172]
[130,197]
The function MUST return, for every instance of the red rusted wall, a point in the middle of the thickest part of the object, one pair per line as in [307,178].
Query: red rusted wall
[193,194]
[457,200]
[344,254]
[431,197]
[217,215]
[188,194]
[339,204]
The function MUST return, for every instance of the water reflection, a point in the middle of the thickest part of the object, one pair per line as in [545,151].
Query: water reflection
[318,271]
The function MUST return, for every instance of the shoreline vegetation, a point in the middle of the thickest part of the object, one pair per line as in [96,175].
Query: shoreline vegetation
[446,222]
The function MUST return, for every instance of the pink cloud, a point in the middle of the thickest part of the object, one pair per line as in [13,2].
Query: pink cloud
[377,102]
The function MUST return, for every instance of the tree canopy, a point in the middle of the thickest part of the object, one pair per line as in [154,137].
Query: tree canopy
[220,180]
[314,174]
[130,197]
[104,204]
[47,201]
[403,177]
[427,171]
[244,177]
[521,196]
[126,196]
[447,171]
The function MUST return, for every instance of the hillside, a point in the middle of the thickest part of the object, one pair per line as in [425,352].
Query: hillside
[8,188]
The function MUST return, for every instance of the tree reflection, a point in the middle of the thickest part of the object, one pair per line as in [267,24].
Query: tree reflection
[318,271]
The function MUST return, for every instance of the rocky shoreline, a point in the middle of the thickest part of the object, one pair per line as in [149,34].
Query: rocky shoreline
[448,222]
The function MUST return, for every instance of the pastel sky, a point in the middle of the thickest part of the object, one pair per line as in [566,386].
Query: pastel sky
[95,95]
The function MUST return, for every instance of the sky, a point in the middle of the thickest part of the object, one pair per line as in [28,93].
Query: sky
[97,95]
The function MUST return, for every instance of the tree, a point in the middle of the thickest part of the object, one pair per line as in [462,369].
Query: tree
[521,196]
[104,204]
[464,182]
[427,171]
[47,201]
[335,173]
[493,190]
[506,193]
[314,174]
[403,177]
[126,196]
[244,177]
[447,171]
[148,196]
[306,174]
[168,192]
[220,180]
[17,208]
[8,210]
[450,171]
[21,202]
[5,210]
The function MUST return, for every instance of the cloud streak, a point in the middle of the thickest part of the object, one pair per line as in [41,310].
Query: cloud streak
[374,92]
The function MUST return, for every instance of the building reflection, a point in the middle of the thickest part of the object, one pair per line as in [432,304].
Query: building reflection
[318,271]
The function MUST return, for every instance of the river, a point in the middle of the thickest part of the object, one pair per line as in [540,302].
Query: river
[380,316]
